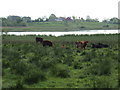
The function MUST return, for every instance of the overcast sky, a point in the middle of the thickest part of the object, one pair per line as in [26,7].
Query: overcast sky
[101,9]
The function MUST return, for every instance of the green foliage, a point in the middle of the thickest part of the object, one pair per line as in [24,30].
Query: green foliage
[19,67]
[13,21]
[19,84]
[114,21]
[27,64]
[60,70]
[101,67]
[47,62]
[101,62]
[104,82]
[34,76]
[56,26]
[52,17]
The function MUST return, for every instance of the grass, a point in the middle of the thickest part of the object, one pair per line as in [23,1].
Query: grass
[24,62]
[61,26]
[105,38]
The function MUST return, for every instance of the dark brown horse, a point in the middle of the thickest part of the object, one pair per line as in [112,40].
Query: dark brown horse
[99,45]
[39,39]
[81,44]
[47,43]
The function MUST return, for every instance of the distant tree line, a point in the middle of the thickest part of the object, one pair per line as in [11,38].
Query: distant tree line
[112,20]
[23,21]
[15,21]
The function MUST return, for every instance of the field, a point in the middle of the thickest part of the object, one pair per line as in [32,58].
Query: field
[27,64]
[62,26]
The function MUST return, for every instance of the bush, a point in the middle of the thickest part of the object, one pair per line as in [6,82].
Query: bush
[34,76]
[105,25]
[19,83]
[77,65]
[101,66]
[104,82]
[60,70]
[5,63]
[19,67]
[82,27]
[46,62]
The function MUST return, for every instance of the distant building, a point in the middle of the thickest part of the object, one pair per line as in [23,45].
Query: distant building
[60,19]
[54,18]
[68,19]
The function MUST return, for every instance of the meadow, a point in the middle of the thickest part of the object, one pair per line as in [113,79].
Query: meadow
[27,64]
[61,26]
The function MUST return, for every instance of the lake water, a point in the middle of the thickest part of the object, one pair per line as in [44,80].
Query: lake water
[82,32]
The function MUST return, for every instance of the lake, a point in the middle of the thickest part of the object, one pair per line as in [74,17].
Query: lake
[82,32]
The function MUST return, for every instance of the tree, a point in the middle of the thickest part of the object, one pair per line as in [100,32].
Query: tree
[96,20]
[52,17]
[13,21]
[0,22]
[73,17]
[17,19]
[82,19]
[106,20]
[88,19]
[44,18]
[4,21]
[47,19]
[26,19]
[37,20]
[114,20]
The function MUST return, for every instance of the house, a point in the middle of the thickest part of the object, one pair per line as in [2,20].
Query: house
[68,19]
[60,19]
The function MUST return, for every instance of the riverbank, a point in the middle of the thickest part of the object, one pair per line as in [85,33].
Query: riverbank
[61,26]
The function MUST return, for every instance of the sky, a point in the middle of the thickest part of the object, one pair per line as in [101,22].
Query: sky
[101,9]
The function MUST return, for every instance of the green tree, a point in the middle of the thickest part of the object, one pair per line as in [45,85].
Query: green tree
[52,17]
[26,19]
[106,20]
[114,20]
[17,19]
[73,18]
[13,21]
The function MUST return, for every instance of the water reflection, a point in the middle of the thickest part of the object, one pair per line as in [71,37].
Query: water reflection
[65,33]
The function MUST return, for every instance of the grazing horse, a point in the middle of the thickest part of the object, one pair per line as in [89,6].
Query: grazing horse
[77,44]
[99,45]
[103,45]
[96,46]
[39,39]
[81,44]
[47,43]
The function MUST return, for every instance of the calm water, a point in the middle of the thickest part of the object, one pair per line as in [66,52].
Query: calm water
[65,33]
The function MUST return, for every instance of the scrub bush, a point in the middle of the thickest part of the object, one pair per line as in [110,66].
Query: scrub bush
[61,70]
[33,76]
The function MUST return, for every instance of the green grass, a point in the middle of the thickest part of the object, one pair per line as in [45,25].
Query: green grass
[62,26]
[30,65]
[105,38]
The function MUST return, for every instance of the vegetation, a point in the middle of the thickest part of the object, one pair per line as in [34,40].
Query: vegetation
[11,21]
[53,23]
[61,26]
[30,65]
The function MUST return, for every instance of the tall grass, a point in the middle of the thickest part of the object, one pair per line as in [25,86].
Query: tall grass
[27,64]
